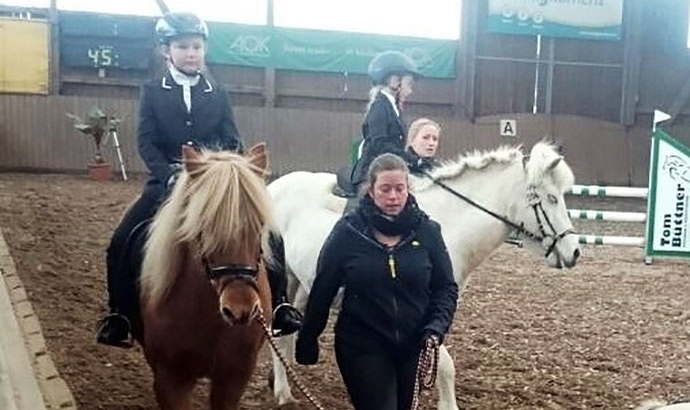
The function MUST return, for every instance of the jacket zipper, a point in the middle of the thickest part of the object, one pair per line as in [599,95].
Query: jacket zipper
[391,267]
[396,310]
[394,275]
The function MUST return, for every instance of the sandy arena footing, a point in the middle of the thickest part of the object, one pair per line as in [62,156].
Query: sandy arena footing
[28,377]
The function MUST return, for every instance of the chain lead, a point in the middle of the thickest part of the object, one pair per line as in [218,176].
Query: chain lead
[295,378]
[427,367]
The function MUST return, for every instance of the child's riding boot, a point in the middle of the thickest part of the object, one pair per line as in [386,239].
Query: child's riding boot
[114,330]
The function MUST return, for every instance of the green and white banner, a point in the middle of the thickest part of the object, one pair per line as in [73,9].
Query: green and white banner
[668,233]
[587,19]
[325,51]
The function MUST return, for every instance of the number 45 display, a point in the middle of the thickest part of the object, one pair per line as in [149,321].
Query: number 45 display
[103,56]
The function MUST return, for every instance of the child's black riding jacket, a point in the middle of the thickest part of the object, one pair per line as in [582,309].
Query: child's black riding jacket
[165,124]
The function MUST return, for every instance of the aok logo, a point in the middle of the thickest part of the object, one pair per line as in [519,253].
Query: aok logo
[255,46]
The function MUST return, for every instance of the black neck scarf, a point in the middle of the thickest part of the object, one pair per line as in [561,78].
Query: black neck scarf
[402,224]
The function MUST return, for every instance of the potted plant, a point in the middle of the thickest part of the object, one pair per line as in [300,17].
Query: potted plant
[97,126]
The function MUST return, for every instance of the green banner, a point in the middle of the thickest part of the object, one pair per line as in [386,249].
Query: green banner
[325,51]
[586,19]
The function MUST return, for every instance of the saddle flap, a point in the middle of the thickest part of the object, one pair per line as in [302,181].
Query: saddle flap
[343,187]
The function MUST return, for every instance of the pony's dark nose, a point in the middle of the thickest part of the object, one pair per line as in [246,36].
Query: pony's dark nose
[228,315]
[256,311]
[569,263]
[242,316]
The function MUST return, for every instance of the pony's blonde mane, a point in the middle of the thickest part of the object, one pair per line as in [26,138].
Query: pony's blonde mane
[543,154]
[475,160]
[221,206]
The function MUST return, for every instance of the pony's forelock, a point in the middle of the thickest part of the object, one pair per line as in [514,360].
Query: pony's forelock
[542,156]
[220,206]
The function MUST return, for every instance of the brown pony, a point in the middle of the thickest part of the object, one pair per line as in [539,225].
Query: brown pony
[203,284]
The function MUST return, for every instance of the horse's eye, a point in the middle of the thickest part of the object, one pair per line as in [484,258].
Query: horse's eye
[552,199]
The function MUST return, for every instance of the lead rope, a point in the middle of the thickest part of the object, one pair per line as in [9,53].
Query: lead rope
[295,378]
[427,366]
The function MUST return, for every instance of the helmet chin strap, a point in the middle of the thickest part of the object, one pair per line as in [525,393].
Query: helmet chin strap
[190,74]
[187,72]
[396,92]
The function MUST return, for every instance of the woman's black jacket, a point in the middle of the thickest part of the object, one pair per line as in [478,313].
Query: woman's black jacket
[393,297]
[165,125]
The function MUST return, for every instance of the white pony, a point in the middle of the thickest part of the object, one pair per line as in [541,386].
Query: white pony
[528,192]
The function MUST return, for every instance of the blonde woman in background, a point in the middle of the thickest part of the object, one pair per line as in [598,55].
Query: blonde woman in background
[422,143]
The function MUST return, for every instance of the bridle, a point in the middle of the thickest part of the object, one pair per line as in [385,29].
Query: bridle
[249,274]
[535,203]
[234,272]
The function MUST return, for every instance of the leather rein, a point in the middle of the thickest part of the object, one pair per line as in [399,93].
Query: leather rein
[539,213]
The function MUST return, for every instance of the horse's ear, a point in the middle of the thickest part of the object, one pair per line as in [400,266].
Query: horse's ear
[258,156]
[257,149]
[190,157]
[554,163]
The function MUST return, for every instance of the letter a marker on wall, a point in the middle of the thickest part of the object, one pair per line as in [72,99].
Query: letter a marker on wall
[508,128]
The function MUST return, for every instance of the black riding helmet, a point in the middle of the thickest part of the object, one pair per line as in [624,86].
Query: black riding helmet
[388,63]
[178,24]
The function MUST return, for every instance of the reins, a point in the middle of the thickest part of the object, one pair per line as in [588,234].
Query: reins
[519,227]
[536,207]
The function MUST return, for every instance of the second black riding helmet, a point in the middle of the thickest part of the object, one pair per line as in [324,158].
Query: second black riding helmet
[388,63]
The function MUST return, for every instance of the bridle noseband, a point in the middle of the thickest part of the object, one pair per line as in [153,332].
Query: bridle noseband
[534,201]
[233,271]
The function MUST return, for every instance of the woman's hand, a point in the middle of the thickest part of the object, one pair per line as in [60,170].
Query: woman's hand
[307,351]
[431,337]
